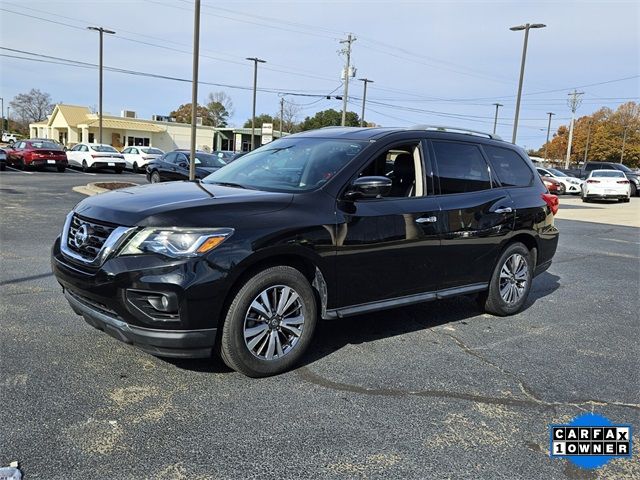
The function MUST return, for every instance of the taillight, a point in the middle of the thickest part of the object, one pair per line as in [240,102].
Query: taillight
[552,202]
[593,181]
[623,181]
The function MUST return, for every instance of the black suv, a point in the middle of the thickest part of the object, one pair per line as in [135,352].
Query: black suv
[321,224]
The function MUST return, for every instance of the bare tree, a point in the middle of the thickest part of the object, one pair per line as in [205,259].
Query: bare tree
[220,108]
[33,106]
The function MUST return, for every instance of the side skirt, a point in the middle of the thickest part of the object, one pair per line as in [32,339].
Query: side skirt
[403,301]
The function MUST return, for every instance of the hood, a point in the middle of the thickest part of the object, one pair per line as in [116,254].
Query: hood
[189,204]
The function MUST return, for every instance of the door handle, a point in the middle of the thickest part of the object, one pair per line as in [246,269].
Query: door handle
[503,210]
[426,220]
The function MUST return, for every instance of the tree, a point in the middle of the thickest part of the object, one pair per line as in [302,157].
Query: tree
[290,114]
[220,108]
[260,119]
[183,114]
[32,106]
[328,118]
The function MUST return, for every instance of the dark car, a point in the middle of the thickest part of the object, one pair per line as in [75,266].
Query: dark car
[633,177]
[3,160]
[37,153]
[175,166]
[318,225]
[554,186]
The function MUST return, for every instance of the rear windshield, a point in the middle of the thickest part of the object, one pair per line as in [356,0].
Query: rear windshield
[152,151]
[557,173]
[606,173]
[103,148]
[45,144]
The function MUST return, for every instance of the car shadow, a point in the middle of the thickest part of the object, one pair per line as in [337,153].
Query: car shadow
[333,335]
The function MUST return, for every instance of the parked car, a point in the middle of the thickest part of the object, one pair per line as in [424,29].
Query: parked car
[9,138]
[321,224]
[137,157]
[226,155]
[236,156]
[96,155]
[633,177]
[606,184]
[36,153]
[175,166]
[3,160]
[553,185]
[571,184]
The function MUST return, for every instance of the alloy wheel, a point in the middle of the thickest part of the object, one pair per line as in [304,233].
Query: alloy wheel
[513,278]
[274,322]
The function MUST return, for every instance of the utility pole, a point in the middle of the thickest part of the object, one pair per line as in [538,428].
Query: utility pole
[526,27]
[574,102]
[2,125]
[194,91]
[586,148]
[281,114]
[495,120]
[102,31]
[624,140]
[364,98]
[347,51]
[546,145]
[255,61]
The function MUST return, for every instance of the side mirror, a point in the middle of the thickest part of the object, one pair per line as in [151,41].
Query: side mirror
[183,165]
[369,187]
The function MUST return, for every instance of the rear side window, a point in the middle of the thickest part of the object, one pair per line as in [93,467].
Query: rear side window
[511,168]
[461,167]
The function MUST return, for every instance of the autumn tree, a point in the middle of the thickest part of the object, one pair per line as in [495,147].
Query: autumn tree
[183,114]
[32,106]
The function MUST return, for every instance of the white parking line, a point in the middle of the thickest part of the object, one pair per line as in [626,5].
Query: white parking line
[80,172]
[21,171]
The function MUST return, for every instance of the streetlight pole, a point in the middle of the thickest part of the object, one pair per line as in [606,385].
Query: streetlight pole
[574,102]
[526,27]
[347,51]
[281,114]
[364,98]
[546,145]
[624,140]
[255,61]
[194,91]
[495,120]
[586,148]
[2,125]
[102,31]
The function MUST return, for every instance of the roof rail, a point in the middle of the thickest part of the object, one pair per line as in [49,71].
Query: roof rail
[456,130]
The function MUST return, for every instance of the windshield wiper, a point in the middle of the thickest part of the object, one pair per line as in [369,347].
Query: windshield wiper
[231,184]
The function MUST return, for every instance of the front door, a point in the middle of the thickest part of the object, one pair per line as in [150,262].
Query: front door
[388,247]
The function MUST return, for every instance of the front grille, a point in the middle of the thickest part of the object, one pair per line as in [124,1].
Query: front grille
[97,234]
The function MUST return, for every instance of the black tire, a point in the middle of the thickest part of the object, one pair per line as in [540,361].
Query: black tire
[85,167]
[155,177]
[234,349]
[21,165]
[493,299]
[135,167]
[119,170]
[11,142]
[3,167]
[634,190]
[61,168]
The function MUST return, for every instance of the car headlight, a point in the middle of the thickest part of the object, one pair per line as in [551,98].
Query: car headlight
[176,242]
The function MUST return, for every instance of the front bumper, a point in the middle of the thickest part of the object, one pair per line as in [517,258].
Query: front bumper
[111,297]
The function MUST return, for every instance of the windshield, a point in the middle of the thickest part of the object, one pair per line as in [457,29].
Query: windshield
[207,160]
[47,145]
[557,173]
[103,148]
[289,164]
[624,168]
[225,155]
[607,173]
[152,151]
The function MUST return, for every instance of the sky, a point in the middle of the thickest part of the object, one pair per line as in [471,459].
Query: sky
[431,62]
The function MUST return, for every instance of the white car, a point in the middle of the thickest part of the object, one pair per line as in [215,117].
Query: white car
[606,184]
[137,157]
[95,155]
[572,185]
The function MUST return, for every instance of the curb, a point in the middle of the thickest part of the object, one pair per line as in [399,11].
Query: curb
[92,189]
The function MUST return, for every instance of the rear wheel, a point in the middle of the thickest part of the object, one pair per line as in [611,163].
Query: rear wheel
[135,167]
[634,190]
[85,167]
[155,177]
[119,170]
[270,323]
[511,281]
[61,168]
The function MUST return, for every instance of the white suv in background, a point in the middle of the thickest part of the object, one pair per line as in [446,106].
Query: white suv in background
[138,157]
[572,184]
[95,155]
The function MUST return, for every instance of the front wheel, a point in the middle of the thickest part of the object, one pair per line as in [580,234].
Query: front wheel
[270,323]
[85,167]
[155,177]
[511,281]
[135,167]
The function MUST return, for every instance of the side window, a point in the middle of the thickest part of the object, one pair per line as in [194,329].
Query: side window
[461,167]
[403,164]
[170,157]
[126,150]
[84,148]
[511,169]
[591,166]
[182,158]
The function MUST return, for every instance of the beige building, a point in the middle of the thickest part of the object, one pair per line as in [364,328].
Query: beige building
[71,124]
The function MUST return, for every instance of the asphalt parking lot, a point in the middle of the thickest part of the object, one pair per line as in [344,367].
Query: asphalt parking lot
[431,391]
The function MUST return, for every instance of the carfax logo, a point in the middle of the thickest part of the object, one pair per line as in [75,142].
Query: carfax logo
[590,441]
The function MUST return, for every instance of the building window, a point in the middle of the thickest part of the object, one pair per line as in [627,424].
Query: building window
[138,141]
[92,137]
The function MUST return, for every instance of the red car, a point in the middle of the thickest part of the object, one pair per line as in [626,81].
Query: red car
[37,153]
[553,185]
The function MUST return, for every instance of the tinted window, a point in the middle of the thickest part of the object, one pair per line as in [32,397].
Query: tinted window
[152,151]
[103,148]
[461,168]
[170,157]
[592,166]
[181,158]
[45,144]
[510,168]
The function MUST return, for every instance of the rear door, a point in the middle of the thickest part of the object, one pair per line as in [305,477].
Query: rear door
[477,216]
